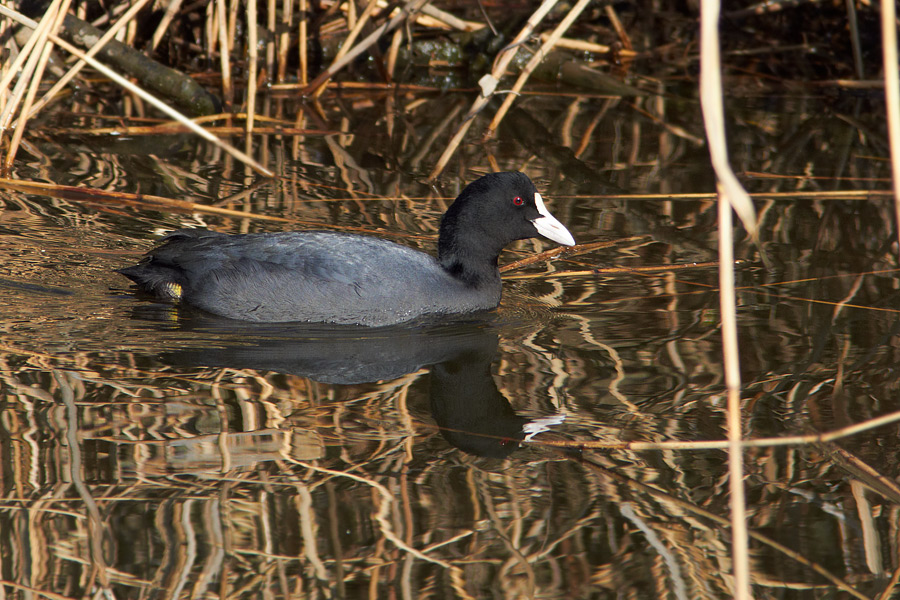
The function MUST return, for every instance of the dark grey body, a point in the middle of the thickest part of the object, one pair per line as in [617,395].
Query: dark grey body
[325,277]
[312,276]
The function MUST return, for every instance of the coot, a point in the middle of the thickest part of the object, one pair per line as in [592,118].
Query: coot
[330,277]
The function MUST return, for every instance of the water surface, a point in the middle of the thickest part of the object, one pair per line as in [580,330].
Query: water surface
[170,454]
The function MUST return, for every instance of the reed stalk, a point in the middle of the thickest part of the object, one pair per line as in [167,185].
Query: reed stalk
[892,96]
[731,195]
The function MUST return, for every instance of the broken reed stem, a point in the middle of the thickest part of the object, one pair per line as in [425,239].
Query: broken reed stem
[81,194]
[888,591]
[892,95]
[449,20]
[538,56]
[621,33]
[501,61]
[624,270]
[161,106]
[23,72]
[24,66]
[410,8]
[46,47]
[170,13]
[173,128]
[567,251]
[357,28]
[65,79]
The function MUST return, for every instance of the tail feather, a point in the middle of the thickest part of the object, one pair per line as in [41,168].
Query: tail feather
[159,281]
[159,273]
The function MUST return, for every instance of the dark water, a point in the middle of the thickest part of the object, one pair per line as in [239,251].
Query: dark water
[166,454]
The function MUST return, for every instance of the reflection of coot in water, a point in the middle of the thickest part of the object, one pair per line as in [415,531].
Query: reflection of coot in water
[328,277]
[472,414]
[329,353]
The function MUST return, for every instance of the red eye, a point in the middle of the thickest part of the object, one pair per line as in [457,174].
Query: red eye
[518,201]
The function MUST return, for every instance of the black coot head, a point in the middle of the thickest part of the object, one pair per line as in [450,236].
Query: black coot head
[490,213]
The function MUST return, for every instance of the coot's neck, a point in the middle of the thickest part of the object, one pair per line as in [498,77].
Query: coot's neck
[465,253]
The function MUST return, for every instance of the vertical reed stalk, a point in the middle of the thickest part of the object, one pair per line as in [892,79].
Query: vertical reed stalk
[351,16]
[855,44]
[394,52]
[233,8]
[252,59]
[224,56]
[731,195]
[892,94]
[271,20]
[728,308]
[5,63]
[304,68]
[284,40]
[212,29]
